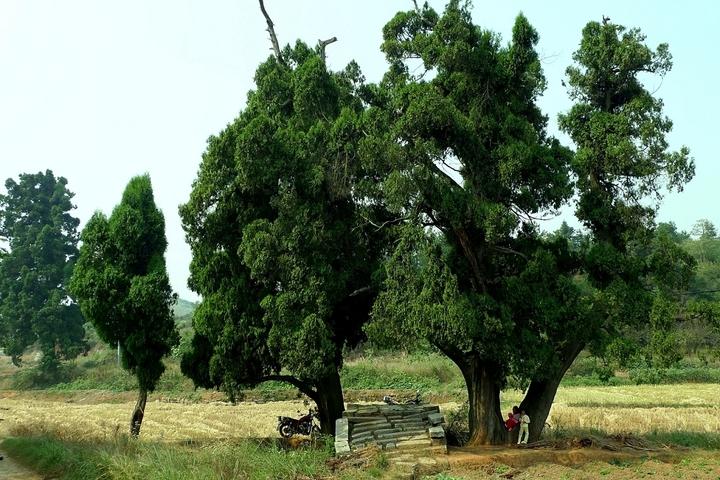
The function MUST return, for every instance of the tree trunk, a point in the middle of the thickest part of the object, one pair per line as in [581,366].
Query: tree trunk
[537,403]
[483,382]
[541,392]
[138,413]
[329,402]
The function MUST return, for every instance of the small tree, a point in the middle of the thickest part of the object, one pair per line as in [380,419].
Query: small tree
[41,236]
[122,286]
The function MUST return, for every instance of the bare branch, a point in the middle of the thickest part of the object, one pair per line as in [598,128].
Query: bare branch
[324,43]
[271,31]
[300,385]
[417,9]
[385,223]
[509,250]
[360,291]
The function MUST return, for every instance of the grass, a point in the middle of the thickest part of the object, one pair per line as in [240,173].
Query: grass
[99,371]
[427,372]
[80,434]
[130,460]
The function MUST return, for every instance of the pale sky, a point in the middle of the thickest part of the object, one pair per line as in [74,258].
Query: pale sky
[101,90]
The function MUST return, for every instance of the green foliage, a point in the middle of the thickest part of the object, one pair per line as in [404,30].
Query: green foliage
[656,376]
[35,306]
[36,378]
[53,459]
[622,160]
[66,460]
[469,164]
[122,285]
[467,154]
[283,256]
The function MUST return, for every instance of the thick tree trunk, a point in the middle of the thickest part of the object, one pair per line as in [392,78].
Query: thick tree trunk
[541,392]
[138,413]
[537,403]
[329,402]
[483,382]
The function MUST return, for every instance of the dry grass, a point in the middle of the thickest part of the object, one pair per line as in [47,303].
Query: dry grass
[163,421]
[639,409]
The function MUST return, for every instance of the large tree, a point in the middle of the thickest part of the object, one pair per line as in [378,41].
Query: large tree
[122,286]
[622,166]
[41,236]
[470,167]
[283,256]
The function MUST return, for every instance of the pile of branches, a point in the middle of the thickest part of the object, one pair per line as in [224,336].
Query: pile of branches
[614,443]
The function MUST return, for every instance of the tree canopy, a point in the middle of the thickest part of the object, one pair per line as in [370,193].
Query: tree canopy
[470,168]
[122,286]
[283,256]
[41,235]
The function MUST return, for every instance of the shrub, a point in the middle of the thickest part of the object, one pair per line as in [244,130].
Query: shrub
[654,376]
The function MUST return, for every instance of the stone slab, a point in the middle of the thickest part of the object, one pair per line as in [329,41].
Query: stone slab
[436,418]
[341,448]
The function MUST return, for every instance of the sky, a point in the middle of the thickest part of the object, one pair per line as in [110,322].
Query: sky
[102,90]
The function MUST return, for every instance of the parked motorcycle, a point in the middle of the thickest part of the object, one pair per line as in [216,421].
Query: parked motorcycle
[305,425]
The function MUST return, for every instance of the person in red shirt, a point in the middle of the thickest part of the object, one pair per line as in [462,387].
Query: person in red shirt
[511,422]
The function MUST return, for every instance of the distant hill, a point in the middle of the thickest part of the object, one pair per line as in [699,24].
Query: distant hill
[184,307]
[183,314]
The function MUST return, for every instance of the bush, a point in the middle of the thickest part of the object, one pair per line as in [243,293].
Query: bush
[419,371]
[594,381]
[583,366]
[458,428]
[33,378]
[655,376]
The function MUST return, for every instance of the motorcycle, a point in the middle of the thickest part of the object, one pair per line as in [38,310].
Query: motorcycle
[414,401]
[305,425]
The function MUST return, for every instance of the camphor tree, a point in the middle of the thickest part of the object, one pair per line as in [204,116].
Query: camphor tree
[283,257]
[469,167]
[41,238]
[122,286]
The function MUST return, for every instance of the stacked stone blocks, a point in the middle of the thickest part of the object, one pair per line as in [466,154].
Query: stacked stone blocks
[399,429]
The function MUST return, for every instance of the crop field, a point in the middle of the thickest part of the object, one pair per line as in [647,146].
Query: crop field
[642,409]
[679,415]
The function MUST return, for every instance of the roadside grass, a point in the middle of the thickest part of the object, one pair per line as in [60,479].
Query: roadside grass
[135,460]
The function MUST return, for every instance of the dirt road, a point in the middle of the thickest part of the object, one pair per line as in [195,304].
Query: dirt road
[11,470]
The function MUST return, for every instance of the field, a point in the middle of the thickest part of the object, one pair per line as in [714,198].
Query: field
[659,410]
[74,428]
[667,415]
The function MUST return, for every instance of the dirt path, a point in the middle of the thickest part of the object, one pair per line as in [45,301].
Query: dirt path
[11,470]
[520,457]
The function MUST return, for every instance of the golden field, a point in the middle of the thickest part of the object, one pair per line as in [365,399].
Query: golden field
[631,409]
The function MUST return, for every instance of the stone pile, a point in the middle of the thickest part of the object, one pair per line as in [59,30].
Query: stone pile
[401,430]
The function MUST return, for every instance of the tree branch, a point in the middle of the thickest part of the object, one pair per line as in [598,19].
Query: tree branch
[464,239]
[302,386]
[509,250]
[324,43]
[271,31]
[359,291]
[386,222]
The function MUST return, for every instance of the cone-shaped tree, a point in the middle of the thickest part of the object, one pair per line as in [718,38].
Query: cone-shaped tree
[41,235]
[122,286]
